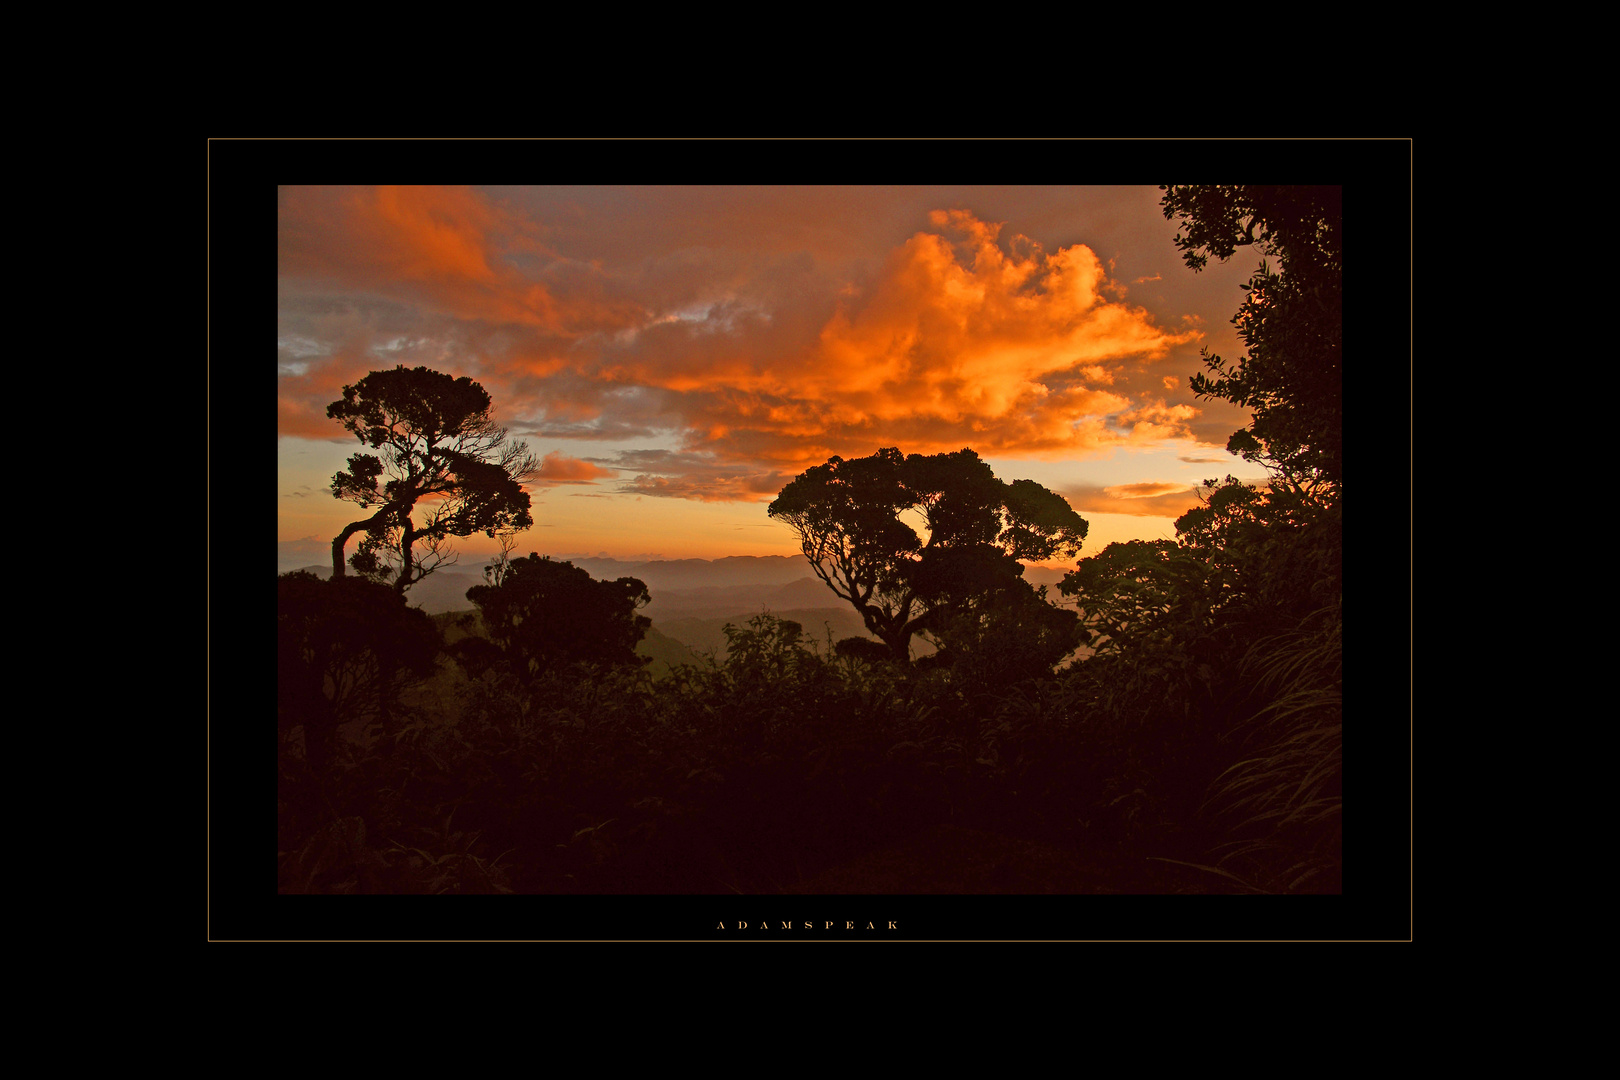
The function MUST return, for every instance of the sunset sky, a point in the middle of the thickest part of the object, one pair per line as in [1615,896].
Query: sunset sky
[678,354]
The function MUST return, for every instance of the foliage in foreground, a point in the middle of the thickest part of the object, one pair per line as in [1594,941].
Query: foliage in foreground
[757,774]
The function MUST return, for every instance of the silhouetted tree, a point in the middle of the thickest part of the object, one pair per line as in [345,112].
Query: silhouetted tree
[544,613]
[440,444]
[860,648]
[848,516]
[1215,686]
[1132,593]
[1280,548]
[1292,321]
[344,649]
[1007,635]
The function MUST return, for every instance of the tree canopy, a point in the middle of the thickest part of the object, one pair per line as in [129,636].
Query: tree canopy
[1292,320]
[1281,548]
[440,445]
[541,613]
[1133,592]
[849,519]
[344,649]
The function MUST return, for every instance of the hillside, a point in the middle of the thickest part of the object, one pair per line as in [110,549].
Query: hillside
[687,588]
[700,587]
[665,652]
[692,601]
[686,640]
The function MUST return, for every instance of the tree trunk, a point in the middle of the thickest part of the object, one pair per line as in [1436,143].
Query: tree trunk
[894,634]
[349,530]
[894,630]
[407,537]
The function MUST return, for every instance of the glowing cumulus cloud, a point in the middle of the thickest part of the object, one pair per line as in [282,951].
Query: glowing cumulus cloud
[956,343]
[746,362]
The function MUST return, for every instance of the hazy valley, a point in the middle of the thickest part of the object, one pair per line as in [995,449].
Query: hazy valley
[694,599]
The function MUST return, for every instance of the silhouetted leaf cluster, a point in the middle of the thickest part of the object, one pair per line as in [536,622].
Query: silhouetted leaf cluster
[545,613]
[1292,321]
[440,446]
[848,516]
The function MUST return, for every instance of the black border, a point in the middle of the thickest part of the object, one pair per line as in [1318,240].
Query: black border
[241,179]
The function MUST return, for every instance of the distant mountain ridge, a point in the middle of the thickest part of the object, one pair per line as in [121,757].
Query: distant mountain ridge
[680,588]
[735,583]
[733,570]
[693,599]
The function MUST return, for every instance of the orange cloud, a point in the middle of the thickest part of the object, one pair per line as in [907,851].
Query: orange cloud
[1155,420]
[1151,499]
[1143,491]
[453,249]
[760,365]
[700,477]
[387,236]
[956,342]
[760,487]
[556,468]
[299,416]
[427,233]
